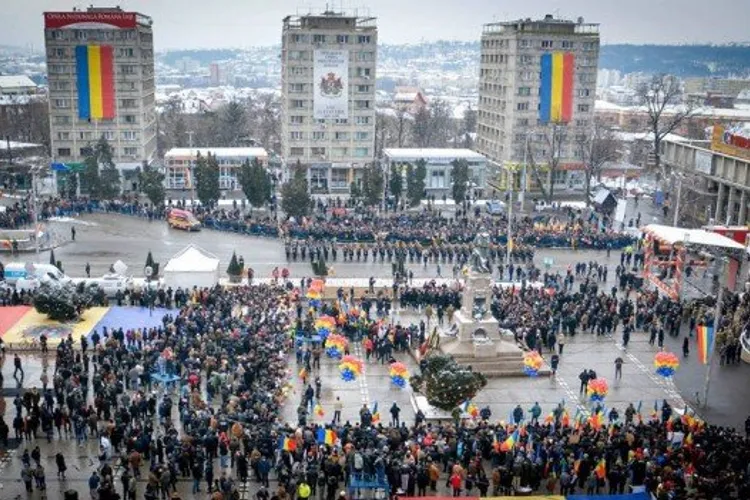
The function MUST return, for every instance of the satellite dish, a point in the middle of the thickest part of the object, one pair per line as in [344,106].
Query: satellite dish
[148,271]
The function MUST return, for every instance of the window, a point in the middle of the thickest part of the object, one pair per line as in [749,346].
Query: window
[318,152]
[547,44]
[437,179]
[63,136]
[339,152]
[62,103]
[318,136]
[363,72]
[58,52]
[299,55]
[299,38]
[127,103]
[109,135]
[589,45]
[525,59]
[129,118]
[342,136]
[130,135]
[363,89]
[524,91]
[522,122]
[297,120]
[298,103]
[342,39]
[567,44]
[361,152]
[340,121]
[319,39]
[297,151]
[85,151]
[63,152]
[362,120]
[320,121]
[85,136]
[130,151]
[296,71]
[363,39]
[583,108]
[522,106]
[524,44]
[60,86]
[526,75]
[362,104]
[296,135]
[582,123]
[127,69]
[62,120]
[362,136]
[80,35]
[584,92]
[365,56]
[126,52]
[296,88]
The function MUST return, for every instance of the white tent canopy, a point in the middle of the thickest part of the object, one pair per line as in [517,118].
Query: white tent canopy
[672,235]
[192,266]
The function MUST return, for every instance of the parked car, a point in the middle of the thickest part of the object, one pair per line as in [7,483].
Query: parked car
[495,207]
[113,283]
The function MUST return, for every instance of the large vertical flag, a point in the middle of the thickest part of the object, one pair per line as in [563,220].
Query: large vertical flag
[95,82]
[705,342]
[556,87]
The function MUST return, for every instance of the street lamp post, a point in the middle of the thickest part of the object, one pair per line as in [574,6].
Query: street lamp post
[717,322]
[676,219]
[509,243]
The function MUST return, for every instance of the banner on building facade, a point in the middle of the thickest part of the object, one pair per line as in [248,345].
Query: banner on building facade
[331,80]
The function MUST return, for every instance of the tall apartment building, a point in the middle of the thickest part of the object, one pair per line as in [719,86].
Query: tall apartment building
[100,67]
[328,96]
[537,79]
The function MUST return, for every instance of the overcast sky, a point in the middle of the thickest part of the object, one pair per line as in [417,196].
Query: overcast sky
[243,23]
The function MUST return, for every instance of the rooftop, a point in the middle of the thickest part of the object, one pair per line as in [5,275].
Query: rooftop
[548,25]
[220,152]
[7,81]
[432,153]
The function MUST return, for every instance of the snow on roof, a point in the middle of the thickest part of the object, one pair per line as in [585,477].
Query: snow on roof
[647,136]
[192,258]
[672,235]
[18,145]
[405,96]
[431,154]
[219,152]
[7,81]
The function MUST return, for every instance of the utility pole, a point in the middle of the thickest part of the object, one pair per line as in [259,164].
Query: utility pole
[677,202]
[510,217]
[191,166]
[720,267]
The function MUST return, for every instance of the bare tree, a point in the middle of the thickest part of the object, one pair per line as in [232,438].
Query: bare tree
[662,96]
[421,130]
[597,146]
[544,165]
[433,126]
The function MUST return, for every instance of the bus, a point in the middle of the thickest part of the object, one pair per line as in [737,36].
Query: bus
[182,219]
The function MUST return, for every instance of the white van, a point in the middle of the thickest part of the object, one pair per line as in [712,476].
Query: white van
[28,275]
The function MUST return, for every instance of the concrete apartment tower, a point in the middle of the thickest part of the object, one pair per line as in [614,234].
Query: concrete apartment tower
[328,96]
[536,76]
[100,66]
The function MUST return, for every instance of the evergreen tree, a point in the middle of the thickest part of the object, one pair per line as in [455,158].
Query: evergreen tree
[151,182]
[372,184]
[62,301]
[396,182]
[460,178]
[415,178]
[446,383]
[295,196]
[234,268]
[232,123]
[255,182]
[355,192]
[207,180]
[100,175]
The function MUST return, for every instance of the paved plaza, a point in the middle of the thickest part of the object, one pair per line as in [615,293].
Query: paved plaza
[106,238]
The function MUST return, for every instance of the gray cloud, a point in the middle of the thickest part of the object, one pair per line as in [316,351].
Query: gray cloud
[242,23]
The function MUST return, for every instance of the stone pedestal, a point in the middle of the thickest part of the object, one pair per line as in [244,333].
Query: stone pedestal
[478,341]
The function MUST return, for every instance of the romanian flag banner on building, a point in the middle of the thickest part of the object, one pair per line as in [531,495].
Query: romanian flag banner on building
[705,335]
[556,87]
[95,82]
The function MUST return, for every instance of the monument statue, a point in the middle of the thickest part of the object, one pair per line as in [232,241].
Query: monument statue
[480,254]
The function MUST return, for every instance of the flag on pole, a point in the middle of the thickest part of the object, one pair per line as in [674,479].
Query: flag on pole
[601,469]
[326,436]
[375,413]
[509,443]
[288,444]
[705,336]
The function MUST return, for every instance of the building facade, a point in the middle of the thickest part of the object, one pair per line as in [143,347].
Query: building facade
[714,178]
[179,164]
[439,163]
[100,65]
[328,96]
[537,82]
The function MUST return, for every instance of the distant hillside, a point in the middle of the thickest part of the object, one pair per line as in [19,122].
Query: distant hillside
[680,60]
